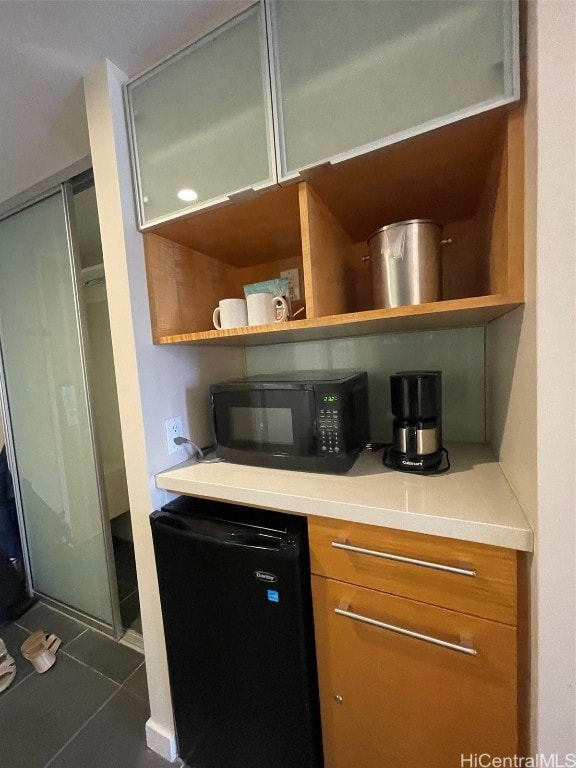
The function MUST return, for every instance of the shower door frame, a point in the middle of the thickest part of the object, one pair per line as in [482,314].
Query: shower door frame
[115,630]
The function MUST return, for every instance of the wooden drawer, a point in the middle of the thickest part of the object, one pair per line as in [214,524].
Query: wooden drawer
[391,699]
[473,578]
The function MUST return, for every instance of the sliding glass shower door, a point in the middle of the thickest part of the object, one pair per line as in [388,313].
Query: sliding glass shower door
[45,384]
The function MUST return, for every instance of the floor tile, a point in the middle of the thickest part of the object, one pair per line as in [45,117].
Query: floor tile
[41,715]
[130,612]
[137,683]
[125,570]
[119,545]
[43,617]
[14,636]
[105,655]
[126,564]
[113,738]
[126,588]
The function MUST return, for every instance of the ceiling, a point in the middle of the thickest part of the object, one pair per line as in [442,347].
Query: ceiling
[47,46]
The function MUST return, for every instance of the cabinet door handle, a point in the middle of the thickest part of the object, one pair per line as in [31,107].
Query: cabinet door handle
[342,610]
[400,559]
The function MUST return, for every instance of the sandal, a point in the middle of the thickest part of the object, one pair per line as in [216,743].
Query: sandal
[7,667]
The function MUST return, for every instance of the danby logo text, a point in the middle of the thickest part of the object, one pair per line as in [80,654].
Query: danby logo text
[265,576]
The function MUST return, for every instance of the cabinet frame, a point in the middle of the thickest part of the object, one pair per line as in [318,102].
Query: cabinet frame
[272,88]
[307,225]
[145,224]
[511,15]
[371,699]
[476,579]
[366,660]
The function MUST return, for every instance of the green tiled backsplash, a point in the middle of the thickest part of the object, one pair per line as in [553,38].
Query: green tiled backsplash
[459,354]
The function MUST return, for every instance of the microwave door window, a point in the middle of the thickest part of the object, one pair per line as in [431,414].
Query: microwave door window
[261,427]
[276,421]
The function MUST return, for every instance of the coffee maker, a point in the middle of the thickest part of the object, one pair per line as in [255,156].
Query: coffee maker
[416,398]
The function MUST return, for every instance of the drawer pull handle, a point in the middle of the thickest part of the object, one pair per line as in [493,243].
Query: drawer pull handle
[400,559]
[343,611]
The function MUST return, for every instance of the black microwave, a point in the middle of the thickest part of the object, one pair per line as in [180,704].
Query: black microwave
[314,421]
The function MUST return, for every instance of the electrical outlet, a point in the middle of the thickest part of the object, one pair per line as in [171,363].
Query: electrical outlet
[173,429]
[293,276]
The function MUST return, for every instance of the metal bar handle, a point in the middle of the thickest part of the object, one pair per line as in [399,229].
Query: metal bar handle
[399,558]
[343,611]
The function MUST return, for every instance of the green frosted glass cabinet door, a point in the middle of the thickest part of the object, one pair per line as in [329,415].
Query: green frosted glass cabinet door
[353,75]
[200,123]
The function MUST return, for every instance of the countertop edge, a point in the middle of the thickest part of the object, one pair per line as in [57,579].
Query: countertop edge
[180,479]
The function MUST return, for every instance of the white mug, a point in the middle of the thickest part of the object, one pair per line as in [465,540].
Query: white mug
[230,313]
[262,309]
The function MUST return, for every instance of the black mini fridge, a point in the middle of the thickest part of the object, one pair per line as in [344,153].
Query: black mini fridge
[237,609]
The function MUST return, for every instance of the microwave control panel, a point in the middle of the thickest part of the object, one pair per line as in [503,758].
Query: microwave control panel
[330,438]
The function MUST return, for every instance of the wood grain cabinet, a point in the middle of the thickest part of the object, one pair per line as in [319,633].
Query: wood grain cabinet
[300,180]
[467,176]
[412,671]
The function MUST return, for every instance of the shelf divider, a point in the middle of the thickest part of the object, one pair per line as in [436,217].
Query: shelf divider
[325,248]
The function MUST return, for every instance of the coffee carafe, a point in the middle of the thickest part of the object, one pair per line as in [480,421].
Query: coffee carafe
[417,428]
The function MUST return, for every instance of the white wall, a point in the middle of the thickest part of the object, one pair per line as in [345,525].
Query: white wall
[556,358]
[531,356]
[154,382]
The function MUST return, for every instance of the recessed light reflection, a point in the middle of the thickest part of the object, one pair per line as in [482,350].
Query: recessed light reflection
[188,195]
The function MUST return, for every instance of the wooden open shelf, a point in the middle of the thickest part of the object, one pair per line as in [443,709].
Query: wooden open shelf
[456,313]
[467,176]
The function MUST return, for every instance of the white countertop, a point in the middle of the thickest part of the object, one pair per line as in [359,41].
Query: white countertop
[473,501]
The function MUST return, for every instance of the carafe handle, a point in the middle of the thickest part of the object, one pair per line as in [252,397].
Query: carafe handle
[411,442]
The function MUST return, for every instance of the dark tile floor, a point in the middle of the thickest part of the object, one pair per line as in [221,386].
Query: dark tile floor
[127,584]
[88,711]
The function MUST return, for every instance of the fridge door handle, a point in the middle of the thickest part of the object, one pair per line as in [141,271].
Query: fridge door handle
[173,522]
[252,539]
[255,540]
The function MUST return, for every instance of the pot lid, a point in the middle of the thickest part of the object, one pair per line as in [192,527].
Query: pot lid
[403,224]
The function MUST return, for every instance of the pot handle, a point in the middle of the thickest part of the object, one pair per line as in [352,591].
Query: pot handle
[446,241]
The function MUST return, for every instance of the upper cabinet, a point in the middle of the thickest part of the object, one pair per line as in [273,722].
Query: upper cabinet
[200,123]
[346,78]
[352,76]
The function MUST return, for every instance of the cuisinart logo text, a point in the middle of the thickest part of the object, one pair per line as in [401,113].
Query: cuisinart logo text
[408,463]
[265,576]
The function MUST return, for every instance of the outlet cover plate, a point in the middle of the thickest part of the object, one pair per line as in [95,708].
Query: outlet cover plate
[173,429]
[293,276]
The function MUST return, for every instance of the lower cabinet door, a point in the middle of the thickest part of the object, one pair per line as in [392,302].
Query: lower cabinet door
[405,684]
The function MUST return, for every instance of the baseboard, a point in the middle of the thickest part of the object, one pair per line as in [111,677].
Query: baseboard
[133,640]
[161,741]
